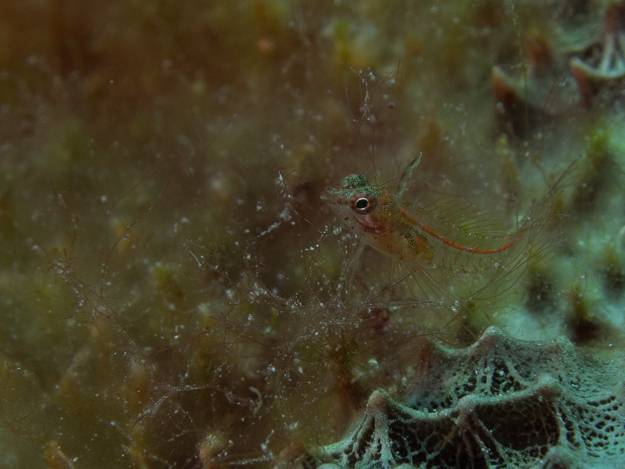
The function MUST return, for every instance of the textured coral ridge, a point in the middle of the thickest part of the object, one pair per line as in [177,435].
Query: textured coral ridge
[500,403]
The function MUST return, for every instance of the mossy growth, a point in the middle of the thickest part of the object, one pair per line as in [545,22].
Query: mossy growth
[173,291]
[584,327]
[540,295]
[613,275]
[598,171]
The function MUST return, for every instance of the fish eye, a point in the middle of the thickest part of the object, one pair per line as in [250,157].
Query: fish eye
[363,203]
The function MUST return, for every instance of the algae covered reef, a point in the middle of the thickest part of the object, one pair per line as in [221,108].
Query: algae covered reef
[179,290]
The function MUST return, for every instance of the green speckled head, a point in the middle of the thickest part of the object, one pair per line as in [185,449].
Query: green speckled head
[355,181]
[359,196]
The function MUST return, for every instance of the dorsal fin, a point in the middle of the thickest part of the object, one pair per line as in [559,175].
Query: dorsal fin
[405,178]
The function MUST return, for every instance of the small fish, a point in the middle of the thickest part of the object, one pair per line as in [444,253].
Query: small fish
[443,251]
[442,234]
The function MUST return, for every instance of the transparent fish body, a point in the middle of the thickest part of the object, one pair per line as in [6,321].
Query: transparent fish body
[435,238]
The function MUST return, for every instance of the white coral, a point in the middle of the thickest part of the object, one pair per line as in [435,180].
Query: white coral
[501,403]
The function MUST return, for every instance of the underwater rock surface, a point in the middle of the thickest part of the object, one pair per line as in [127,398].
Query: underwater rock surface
[176,294]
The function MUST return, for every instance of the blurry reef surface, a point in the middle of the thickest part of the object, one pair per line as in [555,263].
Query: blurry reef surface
[175,294]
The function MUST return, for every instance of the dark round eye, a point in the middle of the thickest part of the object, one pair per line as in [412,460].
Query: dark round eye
[363,203]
